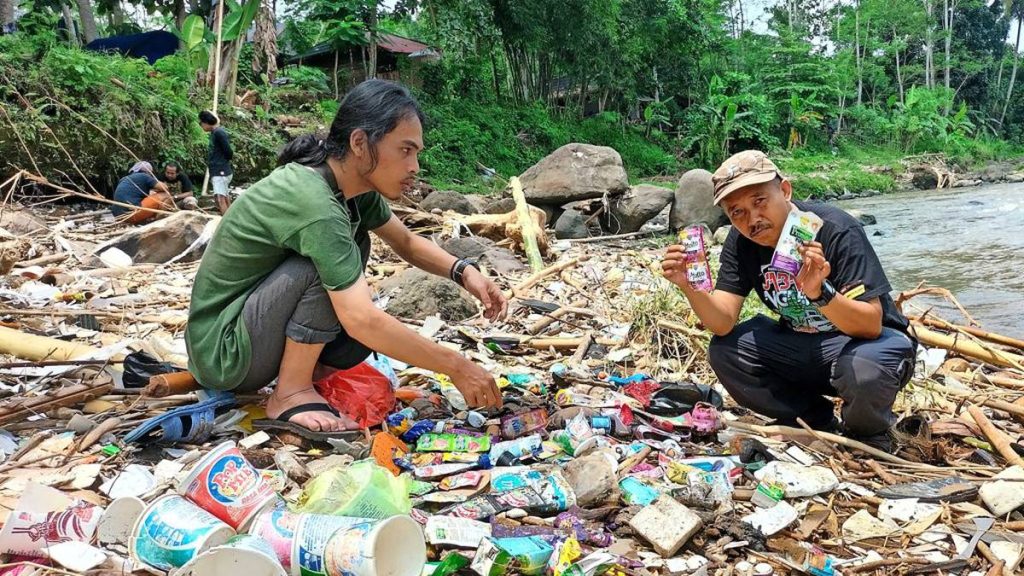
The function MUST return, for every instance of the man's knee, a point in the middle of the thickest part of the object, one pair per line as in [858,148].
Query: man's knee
[886,363]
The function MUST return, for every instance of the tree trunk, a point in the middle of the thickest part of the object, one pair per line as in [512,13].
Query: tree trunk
[899,75]
[494,74]
[117,15]
[1013,73]
[232,78]
[88,20]
[371,24]
[857,55]
[337,91]
[265,43]
[929,46]
[6,13]
[69,23]
[180,13]
[947,21]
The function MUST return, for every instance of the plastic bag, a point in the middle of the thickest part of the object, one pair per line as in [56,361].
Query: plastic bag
[361,393]
[362,490]
[140,366]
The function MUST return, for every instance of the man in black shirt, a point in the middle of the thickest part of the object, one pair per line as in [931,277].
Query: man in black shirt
[839,332]
[219,160]
[179,185]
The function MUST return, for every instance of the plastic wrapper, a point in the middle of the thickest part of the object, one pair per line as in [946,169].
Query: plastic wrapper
[486,506]
[363,490]
[695,250]
[800,227]
[517,425]
[453,443]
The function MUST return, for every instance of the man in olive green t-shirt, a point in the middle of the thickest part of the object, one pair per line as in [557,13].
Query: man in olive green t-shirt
[280,294]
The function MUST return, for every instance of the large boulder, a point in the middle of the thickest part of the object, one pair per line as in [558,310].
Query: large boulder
[416,294]
[178,237]
[864,218]
[633,209]
[447,200]
[501,260]
[575,172]
[500,206]
[571,225]
[694,202]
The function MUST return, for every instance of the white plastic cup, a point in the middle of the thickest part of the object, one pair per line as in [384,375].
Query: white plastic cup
[391,547]
[243,554]
[116,258]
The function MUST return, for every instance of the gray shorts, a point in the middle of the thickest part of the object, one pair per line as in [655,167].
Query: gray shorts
[220,184]
[292,303]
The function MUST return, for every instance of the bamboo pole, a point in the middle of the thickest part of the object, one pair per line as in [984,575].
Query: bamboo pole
[984,335]
[990,402]
[999,440]
[216,78]
[553,317]
[526,222]
[32,347]
[966,347]
[525,285]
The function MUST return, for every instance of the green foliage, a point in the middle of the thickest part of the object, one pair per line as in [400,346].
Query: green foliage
[74,106]
[510,140]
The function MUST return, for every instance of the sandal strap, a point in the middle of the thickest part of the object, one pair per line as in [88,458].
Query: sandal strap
[287,415]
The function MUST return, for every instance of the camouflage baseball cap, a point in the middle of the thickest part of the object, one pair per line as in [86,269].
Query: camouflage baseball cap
[743,169]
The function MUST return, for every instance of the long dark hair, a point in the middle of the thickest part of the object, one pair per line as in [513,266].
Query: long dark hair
[374,106]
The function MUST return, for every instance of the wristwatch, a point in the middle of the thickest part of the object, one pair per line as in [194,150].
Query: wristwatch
[828,292]
[459,268]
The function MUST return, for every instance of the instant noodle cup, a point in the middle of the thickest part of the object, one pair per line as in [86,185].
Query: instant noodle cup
[392,547]
[225,484]
[243,554]
[278,528]
[171,531]
[311,537]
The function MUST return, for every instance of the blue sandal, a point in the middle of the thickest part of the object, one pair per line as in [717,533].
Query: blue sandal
[193,423]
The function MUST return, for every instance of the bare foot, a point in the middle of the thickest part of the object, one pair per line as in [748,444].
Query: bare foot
[317,421]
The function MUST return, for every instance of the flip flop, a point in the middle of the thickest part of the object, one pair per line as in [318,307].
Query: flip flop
[284,423]
[678,399]
[193,423]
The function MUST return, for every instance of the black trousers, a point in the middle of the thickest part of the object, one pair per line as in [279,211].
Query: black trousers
[785,374]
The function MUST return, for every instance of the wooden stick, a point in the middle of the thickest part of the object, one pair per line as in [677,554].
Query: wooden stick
[834,438]
[42,180]
[966,348]
[107,425]
[50,259]
[617,236]
[869,566]
[581,350]
[525,285]
[999,440]
[881,472]
[991,403]
[554,316]
[681,328]
[564,343]
[526,222]
[984,335]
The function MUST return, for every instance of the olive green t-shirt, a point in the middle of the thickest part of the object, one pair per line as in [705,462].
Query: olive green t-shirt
[291,211]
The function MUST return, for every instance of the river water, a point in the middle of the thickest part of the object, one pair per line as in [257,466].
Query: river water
[967,240]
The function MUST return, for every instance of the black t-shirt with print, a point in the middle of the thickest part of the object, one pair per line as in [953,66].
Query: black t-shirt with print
[745,266]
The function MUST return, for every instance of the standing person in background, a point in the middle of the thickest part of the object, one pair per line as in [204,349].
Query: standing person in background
[219,161]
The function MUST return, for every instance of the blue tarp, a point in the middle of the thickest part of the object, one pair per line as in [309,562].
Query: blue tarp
[149,45]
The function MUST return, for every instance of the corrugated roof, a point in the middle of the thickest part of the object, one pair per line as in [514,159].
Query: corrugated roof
[399,44]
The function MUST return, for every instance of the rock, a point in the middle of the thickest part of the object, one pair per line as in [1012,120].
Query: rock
[417,294]
[966,183]
[878,233]
[166,239]
[593,478]
[995,171]
[479,202]
[1015,178]
[571,224]
[500,260]
[1004,497]
[924,178]
[666,524]
[722,233]
[12,252]
[847,196]
[500,206]
[447,200]
[629,211]
[21,223]
[694,201]
[575,172]
[864,218]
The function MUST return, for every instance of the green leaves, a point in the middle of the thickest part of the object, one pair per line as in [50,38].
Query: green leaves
[238,21]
